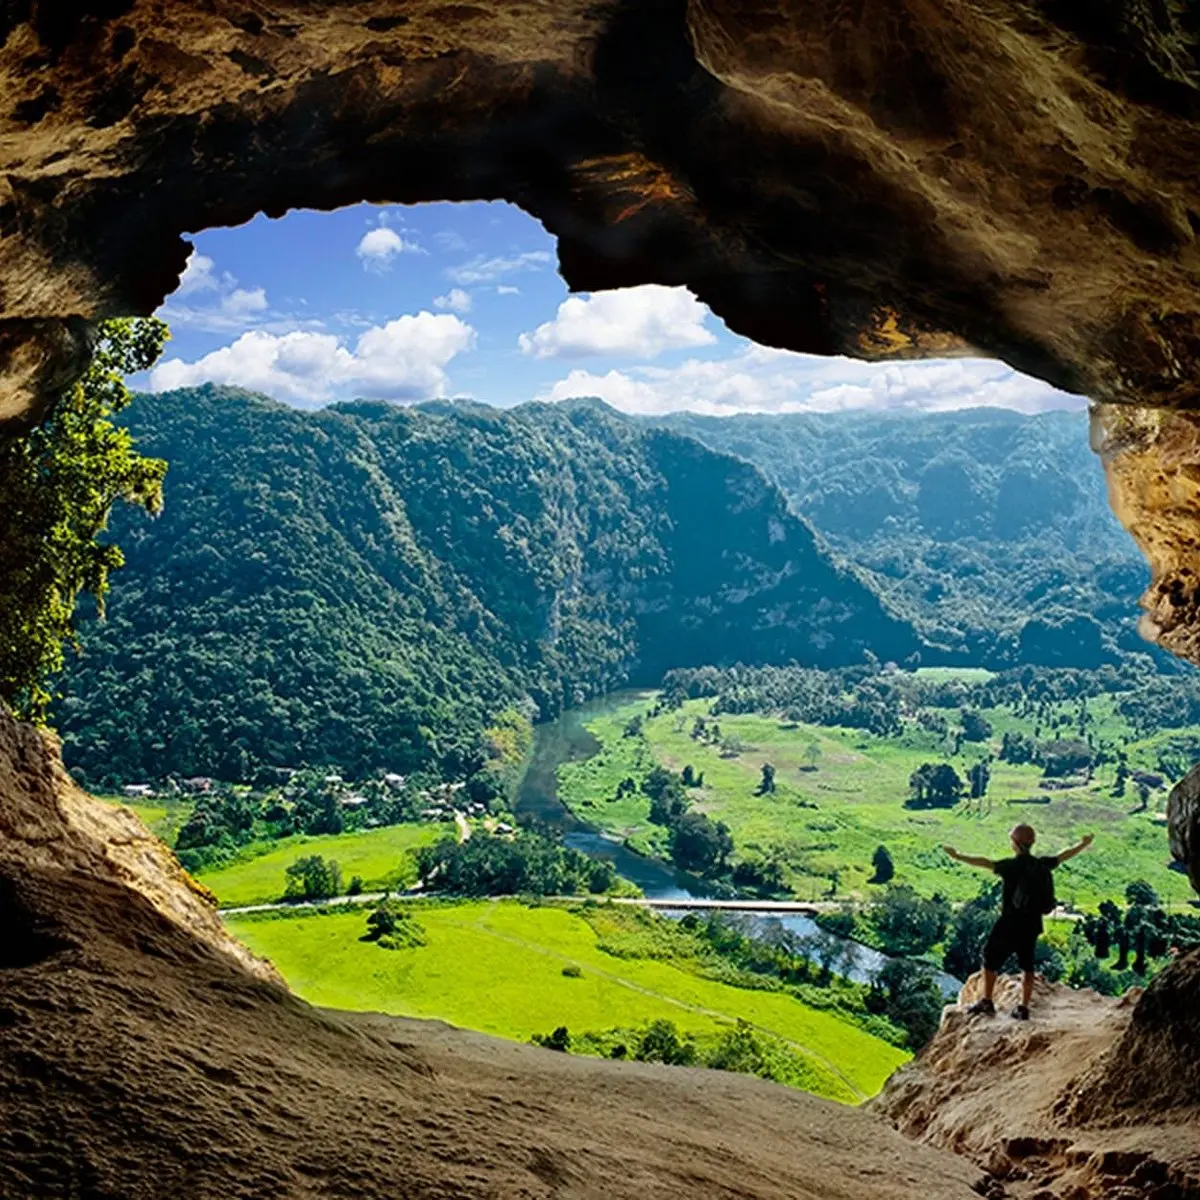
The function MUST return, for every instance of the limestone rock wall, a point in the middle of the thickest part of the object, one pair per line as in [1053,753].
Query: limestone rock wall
[49,826]
[1092,1098]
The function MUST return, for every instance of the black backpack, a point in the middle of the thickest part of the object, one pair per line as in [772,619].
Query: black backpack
[1034,892]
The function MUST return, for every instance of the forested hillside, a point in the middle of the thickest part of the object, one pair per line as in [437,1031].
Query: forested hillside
[990,528]
[370,586]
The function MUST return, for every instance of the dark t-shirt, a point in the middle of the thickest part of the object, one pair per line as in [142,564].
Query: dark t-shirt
[1010,871]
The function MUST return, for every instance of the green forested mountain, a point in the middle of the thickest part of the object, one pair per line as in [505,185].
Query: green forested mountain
[970,523]
[369,585]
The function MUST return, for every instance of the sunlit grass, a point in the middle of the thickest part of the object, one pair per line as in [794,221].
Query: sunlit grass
[859,788]
[383,858]
[498,967]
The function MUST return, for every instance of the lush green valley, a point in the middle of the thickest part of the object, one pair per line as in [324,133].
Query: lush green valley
[837,793]
[607,977]
[345,622]
[369,586]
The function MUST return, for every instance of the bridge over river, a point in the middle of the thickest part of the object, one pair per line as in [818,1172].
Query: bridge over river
[806,908]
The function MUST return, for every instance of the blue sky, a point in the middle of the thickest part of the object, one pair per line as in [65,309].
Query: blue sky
[406,304]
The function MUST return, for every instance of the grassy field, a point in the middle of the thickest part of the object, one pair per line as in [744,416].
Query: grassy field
[498,967]
[162,817]
[831,818]
[381,857]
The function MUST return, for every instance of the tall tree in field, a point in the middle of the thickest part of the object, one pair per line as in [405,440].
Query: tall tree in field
[58,483]
[884,867]
[979,776]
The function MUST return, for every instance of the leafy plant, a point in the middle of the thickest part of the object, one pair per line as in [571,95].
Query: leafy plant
[58,484]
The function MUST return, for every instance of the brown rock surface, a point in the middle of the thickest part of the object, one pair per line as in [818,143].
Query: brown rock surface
[144,1055]
[1152,459]
[1058,1108]
[884,178]
[1183,823]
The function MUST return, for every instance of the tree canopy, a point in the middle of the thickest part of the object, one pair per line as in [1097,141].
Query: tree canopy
[368,585]
[58,484]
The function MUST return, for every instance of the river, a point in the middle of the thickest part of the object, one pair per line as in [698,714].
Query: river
[567,740]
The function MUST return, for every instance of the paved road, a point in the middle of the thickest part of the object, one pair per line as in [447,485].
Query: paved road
[289,905]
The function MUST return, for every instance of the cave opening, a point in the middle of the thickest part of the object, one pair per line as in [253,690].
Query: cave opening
[912,180]
[409,318]
[962,497]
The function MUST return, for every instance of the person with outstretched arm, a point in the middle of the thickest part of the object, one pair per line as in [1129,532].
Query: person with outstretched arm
[1028,896]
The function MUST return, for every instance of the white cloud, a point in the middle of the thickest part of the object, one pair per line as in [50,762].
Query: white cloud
[198,276]
[758,379]
[506,289]
[379,246]
[642,321]
[488,270]
[405,359]
[213,301]
[241,302]
[455,299]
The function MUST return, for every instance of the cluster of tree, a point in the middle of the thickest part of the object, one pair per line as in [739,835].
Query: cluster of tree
[906,992]
[369,584]
[1017,748]
[310,802]
[708,732]
[935,785]
[770,949]
[528,864]
[859,697]
[1165,704]
[906,923]
[392,926]
[313,878]
[1144,930]
[969,521]
[697,843]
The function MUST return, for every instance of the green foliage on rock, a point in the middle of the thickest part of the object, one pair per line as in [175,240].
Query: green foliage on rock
[58,484]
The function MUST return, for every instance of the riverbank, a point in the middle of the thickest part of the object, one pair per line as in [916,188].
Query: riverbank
[568,748]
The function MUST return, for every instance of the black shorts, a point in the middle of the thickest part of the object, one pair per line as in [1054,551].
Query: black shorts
[1011,937]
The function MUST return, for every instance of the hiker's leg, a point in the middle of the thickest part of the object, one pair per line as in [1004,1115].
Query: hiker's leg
[989,983]
[1027,987]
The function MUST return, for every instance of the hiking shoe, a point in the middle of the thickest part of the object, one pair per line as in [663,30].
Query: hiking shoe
[1020,1013]
[982,1007]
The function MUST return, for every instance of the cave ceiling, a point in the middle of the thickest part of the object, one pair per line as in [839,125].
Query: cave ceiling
[877,178]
